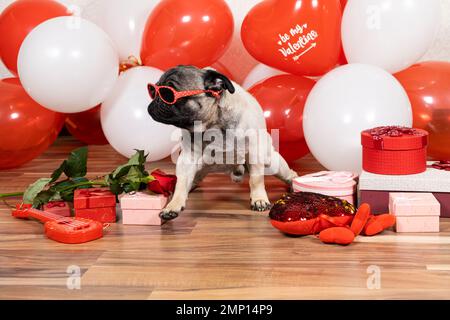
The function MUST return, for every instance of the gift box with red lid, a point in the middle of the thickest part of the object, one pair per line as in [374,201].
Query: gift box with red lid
[374,189]
[394,150]
[339,184]
[415,212]
[60,208]
[95,203]
[142,208]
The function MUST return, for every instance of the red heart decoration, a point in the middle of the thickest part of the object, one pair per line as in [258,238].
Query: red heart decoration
[302,37]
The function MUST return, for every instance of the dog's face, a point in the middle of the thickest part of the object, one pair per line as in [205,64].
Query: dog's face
[187,110]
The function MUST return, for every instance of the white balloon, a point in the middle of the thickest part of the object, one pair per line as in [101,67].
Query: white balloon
[126,122]
[346,101]
[391,34]
[68,64]
[123,21]
[259,73]
[440,50]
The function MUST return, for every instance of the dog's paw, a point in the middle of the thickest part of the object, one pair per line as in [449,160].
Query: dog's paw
[260,205]
[169,214]
[291,177]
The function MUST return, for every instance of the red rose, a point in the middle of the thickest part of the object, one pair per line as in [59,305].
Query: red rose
[163,184]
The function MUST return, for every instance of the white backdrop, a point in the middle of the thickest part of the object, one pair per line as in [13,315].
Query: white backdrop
[439,51]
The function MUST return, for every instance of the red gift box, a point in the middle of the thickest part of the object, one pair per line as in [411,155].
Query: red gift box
[96,203]
[60,208]
[105,215]
[394,150]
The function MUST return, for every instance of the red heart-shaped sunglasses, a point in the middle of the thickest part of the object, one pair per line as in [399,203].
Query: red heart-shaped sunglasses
[170,96]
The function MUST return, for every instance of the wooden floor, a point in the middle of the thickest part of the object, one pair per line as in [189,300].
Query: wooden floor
[218,249]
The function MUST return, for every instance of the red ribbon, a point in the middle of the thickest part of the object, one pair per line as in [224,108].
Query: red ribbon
[55,204]
[378,134]
[392,131]
[442,165]
[89,193]
[94,193]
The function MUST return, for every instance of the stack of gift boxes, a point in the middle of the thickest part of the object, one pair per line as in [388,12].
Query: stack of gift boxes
[396,178]
[141,208]
[95,203]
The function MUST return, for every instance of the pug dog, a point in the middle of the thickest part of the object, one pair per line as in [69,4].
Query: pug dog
[205,103]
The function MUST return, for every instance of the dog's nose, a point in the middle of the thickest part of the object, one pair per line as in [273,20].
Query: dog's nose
[152,111]
[159,112]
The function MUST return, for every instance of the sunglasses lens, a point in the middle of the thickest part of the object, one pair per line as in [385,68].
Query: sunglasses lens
[167,95]
[152,91]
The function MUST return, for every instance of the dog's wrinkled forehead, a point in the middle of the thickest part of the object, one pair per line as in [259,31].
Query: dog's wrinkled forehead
[183,78]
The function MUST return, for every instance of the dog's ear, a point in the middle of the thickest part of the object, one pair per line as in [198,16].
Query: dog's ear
[217,81]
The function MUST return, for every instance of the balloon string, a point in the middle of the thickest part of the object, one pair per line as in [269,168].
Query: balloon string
[7,204]
[71,123]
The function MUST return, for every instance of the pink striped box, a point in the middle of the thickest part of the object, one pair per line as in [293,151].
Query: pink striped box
[141,208]
[415,212]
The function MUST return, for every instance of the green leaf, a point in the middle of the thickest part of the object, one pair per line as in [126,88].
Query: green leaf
[138,159]
[116,188]
[43,197]
[130,176]
[58,172]
[67,195]
[123,169]
[66,184]
[134,174]
[129,188]
[76,165]
[56,197]
[34,189]
[142,156]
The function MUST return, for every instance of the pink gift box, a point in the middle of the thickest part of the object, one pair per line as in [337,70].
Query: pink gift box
[142,217]
[415,212]
[417,224]
[140,208]
[60,208]
[375,188]
[339,184]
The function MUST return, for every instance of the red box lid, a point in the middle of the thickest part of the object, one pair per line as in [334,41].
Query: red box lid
[394,138]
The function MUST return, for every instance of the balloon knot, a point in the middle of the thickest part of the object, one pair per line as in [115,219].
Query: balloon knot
[129,63]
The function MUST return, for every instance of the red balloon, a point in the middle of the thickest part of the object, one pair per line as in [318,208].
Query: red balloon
[26,128]
[283,99]
[428,88]
[299,37]
[342,57]
[187,32]
[86,127]
[17,21]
